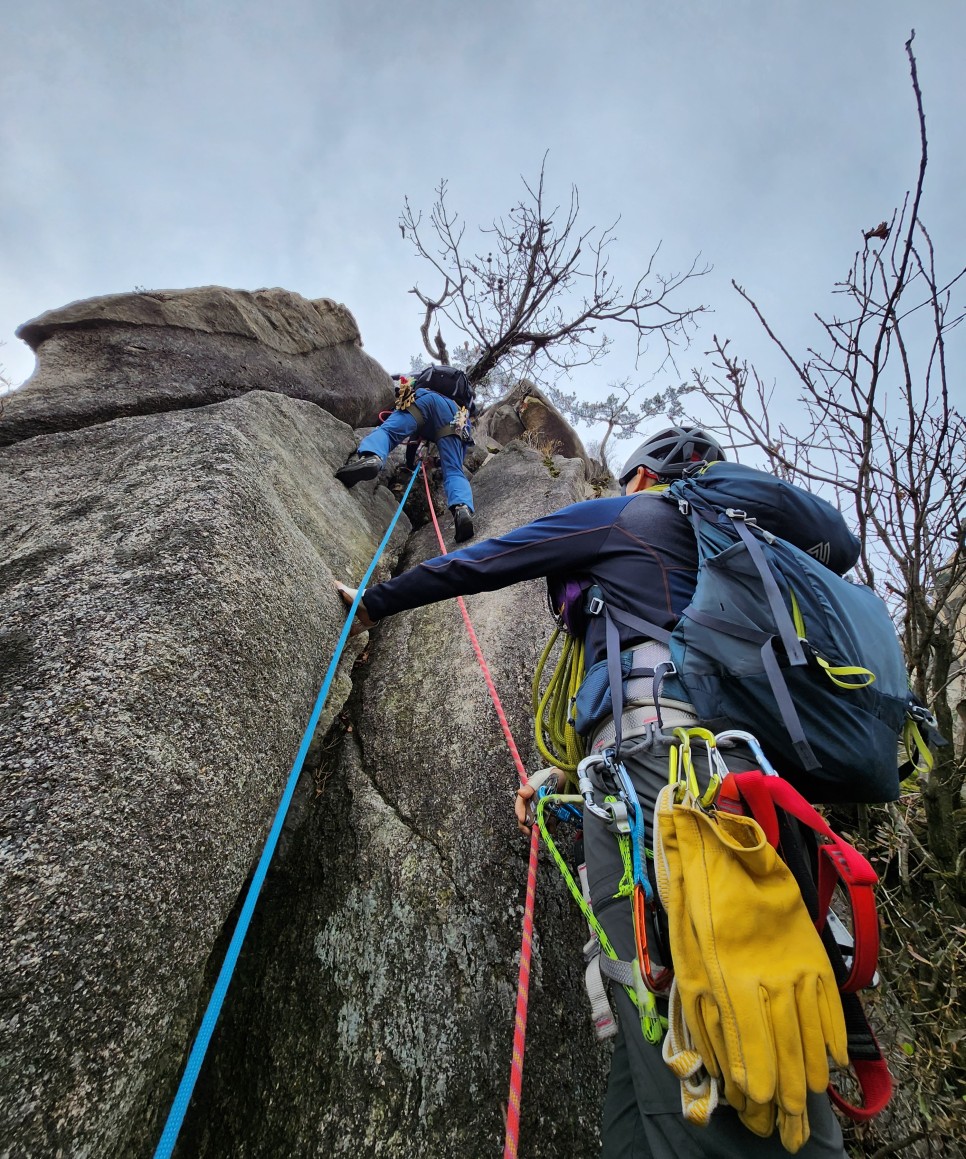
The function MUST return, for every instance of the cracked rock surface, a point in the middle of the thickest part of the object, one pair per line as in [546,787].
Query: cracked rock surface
[167,558]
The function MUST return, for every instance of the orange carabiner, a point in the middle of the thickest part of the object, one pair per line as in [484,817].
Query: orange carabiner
[662,980]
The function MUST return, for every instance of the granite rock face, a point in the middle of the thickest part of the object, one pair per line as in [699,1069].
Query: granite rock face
[384,985]
[167,569]
[154,351]
[526,413]
[169,612]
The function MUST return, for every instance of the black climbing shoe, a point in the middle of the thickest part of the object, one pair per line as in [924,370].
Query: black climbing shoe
[365,466]
[462,522]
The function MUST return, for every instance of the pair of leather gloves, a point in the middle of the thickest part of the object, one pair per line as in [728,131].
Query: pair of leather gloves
[753,982]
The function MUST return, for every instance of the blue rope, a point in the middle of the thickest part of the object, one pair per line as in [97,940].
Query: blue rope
[193,1066]
[637,832]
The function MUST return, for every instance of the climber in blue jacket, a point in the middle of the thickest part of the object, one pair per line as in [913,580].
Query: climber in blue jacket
[641,551]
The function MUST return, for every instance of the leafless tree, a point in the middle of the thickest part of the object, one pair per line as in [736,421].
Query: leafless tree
[877,424]
[623,410]
[535,294]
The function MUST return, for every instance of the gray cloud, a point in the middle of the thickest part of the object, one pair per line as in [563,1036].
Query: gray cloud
[252,145]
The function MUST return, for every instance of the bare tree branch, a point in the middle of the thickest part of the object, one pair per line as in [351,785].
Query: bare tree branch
[875,423]
[537,297]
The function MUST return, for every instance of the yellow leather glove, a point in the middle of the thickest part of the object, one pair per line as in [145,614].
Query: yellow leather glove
[762,1006]
[699,1089]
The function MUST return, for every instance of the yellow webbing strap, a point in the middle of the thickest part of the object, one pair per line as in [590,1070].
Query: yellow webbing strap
[916,749]
[652,1024]
[847,676]
[861,677]
[797,618]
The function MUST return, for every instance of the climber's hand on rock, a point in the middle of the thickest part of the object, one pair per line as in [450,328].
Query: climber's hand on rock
[363,622]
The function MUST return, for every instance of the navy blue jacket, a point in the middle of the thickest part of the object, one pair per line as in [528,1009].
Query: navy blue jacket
[639,548]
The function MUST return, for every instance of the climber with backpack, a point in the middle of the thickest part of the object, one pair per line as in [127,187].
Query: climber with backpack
[751,1010]
[437,405]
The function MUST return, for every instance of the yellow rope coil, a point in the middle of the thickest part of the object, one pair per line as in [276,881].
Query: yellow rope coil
[553,723]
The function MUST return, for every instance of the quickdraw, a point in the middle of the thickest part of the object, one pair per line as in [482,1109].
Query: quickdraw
[682,771]
[652,1023]
[623,813]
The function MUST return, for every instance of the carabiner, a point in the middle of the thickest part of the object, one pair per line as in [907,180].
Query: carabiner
[653,1024]
[614,815]
[752,742]
[662,980]
[686,775]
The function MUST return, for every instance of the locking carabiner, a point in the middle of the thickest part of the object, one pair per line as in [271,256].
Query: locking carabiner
[614,813]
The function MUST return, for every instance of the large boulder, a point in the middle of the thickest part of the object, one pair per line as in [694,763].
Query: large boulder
[169,611]
[140,353]
[526,413]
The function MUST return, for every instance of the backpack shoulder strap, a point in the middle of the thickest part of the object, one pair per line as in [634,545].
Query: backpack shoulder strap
[704,513]
[613,617]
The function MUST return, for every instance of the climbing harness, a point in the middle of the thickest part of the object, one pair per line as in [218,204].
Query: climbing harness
[179,1107]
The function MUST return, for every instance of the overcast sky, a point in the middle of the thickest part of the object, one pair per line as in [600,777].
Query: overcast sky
[252,144]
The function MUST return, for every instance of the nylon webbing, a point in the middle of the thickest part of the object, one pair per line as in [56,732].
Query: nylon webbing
[783,621]
[512,1137]
[613,647]
[182,1097]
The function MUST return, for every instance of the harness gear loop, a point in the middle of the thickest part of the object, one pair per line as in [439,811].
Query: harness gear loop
[457,428]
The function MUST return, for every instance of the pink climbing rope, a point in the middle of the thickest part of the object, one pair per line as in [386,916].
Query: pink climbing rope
[511,1140]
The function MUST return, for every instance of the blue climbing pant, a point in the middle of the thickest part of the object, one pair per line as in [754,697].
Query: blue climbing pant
[437,412]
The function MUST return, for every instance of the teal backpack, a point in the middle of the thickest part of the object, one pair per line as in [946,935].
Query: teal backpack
[776,643]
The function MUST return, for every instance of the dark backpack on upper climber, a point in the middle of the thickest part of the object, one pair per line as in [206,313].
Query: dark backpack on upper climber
[449,382]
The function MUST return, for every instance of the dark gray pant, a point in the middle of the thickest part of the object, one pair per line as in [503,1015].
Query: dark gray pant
[642,1113]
